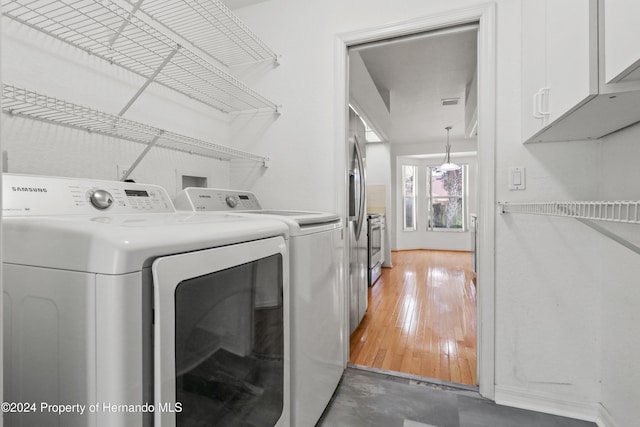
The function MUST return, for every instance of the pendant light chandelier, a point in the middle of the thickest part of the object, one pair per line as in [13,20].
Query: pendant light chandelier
[447,166]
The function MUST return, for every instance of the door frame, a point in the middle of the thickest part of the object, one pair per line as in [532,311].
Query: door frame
[485,15]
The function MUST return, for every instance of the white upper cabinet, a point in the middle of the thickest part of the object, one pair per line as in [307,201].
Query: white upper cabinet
[580,68]
[534,73]
[572,54]
[621,32]
[559,61]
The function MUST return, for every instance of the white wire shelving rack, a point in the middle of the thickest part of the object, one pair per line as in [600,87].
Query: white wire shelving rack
[107,30]
[587,212]
[612,211]
[25,103]
[211,27]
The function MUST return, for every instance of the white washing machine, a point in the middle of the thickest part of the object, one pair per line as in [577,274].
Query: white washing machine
[318,328]
[131,314]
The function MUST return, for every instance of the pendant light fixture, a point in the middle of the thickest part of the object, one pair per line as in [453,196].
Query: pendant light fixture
[447,165]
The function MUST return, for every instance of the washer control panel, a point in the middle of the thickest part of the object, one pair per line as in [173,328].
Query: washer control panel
[216,200]
[32,195]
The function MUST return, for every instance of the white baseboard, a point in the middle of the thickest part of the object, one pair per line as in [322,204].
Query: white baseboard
[549,403]
[605,419]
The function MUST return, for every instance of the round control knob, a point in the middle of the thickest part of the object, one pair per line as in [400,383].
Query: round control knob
[101,199]
[232,202]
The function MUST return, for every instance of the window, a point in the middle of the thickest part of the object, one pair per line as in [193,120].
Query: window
[409,173]
[446,199]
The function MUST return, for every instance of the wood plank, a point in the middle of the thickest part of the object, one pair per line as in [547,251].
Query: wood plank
[421,318]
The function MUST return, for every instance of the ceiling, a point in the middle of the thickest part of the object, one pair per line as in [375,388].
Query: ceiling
[413,75]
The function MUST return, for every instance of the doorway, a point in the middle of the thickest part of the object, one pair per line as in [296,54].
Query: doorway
[485,16]
[418,321]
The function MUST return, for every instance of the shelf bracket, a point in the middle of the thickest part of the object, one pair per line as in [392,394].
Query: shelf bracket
[142,155]
[125,22]
[624,242]
[149,80]
[585,212]
[600,229]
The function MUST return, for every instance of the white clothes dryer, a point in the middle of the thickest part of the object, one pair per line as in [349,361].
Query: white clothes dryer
[318,312]
[118,311]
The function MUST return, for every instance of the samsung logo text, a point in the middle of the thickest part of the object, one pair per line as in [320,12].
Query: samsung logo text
[29,189]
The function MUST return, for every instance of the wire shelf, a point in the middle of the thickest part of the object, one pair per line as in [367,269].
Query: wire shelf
[25,103]
[211,27]
[611,211]
[104,29]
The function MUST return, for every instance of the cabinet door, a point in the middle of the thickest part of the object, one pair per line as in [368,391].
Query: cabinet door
[534,73]
[621,26]
[571,54]
[559,60]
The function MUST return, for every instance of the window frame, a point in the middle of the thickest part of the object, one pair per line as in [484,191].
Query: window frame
[463,197]
[414,197]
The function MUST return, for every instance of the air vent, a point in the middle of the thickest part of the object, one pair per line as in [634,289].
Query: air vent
[449,101]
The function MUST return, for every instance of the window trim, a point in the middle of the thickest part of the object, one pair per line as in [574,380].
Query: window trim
[464,197]
[414,196]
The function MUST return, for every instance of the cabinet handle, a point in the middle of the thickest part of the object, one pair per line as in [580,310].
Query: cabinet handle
[544,100]
[541,100]
[537,105]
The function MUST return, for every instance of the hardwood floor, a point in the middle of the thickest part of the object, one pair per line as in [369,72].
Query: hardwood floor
[421,318]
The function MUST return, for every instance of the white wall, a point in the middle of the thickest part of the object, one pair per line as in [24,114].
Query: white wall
[618,177]
[547,289]
[365,98]
[378,169]
[548,322]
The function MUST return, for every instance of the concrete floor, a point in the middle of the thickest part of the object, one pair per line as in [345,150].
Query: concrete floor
[372,399]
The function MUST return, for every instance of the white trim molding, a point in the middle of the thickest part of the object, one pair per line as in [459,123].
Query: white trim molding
[605,419]
[485,15]
[548,403]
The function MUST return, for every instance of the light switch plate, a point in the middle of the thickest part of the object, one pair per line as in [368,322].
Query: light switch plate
[517,178]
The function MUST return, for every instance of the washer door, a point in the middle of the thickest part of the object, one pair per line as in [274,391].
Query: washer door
[221,336]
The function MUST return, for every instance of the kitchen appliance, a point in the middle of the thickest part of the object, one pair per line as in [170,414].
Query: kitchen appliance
[317,318]
[358,260]
[137,314]
[375,250]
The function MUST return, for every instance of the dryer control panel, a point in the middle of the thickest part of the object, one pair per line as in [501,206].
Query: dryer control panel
[216,200]
[33,195]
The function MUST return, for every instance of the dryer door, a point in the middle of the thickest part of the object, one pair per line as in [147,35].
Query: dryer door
[221,336]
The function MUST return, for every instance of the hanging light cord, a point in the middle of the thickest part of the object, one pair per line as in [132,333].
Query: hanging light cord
[447,165]
[447,157]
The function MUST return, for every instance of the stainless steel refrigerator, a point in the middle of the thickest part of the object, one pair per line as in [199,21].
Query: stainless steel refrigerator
[357,223]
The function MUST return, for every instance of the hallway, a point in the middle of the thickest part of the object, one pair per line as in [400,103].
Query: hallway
[421,318]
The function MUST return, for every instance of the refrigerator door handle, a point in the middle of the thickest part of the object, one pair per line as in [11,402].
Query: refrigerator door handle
[363,186]
[353,209]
